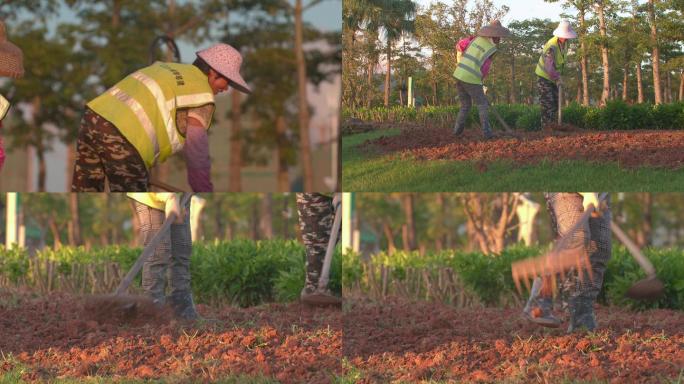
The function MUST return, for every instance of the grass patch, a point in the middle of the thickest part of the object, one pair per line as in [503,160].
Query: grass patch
[363,171]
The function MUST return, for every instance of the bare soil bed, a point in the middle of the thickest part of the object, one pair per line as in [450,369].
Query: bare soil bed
[398,340]
[53,337]
[630,149]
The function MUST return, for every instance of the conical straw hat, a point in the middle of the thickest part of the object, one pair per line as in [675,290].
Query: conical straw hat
[494,29]
[11,58]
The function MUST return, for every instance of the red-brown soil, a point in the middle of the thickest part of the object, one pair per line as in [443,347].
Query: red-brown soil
[52,337]
[397,340]
[629,149]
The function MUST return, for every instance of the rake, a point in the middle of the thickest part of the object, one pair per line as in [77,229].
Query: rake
[558,261]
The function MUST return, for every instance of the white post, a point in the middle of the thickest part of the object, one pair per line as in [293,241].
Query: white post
[196,205]
[347,241]
[11,220]
[410,93]
[526,211]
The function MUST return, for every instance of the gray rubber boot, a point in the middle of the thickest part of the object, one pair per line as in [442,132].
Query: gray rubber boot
[581,314]
[183,306]
[459,128]
[538,309]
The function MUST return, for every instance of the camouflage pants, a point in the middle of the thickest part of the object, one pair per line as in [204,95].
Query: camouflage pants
[102,152]
[316,216]
[174,251]
[565,210]
[548,99]
[467,93]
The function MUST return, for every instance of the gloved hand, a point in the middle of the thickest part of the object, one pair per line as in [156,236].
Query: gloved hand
[173,206]
[591,198]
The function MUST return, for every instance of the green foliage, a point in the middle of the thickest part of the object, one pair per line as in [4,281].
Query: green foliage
[242,272]
[623,271]
[616,115]
[489,276]
[530,120]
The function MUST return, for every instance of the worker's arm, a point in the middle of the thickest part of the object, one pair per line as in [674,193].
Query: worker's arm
[197,159]
[550,64]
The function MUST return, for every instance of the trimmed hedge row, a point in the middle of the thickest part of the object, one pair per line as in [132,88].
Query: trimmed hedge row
[242,272]
[489,277]
[616,115]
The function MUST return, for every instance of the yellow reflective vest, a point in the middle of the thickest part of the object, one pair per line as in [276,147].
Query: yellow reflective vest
[156,200]
[143,107]
[470,64]
[559,58]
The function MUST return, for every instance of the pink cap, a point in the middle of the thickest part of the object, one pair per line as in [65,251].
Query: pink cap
[226,60]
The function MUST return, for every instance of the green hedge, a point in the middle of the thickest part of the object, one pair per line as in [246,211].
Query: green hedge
[243,272]
[616,115]
[490,276]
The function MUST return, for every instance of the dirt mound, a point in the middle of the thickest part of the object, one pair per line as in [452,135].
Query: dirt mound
[125,309]
[49,337]
[629,149]
[397,340]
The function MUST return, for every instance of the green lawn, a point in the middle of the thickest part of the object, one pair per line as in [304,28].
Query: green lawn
[363,171]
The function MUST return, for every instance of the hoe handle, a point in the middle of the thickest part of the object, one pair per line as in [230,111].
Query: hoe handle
[634,250]
[325,272]
[150,248]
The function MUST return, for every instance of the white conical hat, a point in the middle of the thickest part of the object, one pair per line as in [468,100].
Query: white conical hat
[565,30]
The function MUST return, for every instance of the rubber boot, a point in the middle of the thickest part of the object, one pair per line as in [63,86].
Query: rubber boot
[458,129]
[538,309]
[183,306]
[581,314]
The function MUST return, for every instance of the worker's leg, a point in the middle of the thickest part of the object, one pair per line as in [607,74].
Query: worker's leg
[476,92]
[466,104]
[89,174]
[181,250]
[315,218]
[155,267]
[548,99]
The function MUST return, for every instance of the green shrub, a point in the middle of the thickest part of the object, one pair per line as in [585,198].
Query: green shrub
[530,120]
[668,116]
[575,114]
[14,263]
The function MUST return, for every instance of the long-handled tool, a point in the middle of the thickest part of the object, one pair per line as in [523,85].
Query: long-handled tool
[120,305]
[644,289]
[560,104]
[321,297]
[559,260]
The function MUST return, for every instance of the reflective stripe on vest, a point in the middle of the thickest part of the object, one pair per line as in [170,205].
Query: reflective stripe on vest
[469,68]
[559,58]
[143,107]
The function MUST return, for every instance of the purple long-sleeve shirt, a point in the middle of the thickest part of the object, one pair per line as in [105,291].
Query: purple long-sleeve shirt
[198,163]
[550,64]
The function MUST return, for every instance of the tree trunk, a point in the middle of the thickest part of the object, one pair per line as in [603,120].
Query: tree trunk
[668,87]
[681,86]
[235,166]
[267,216]
[583,62]
[42,167]
[605,94]
[655,58]
[218,218]
[389,235]
[513,98]
[54,229]
[578,98]
[410,227]
[254,222]
[305,143]
[624,83]
[388,74]
[283,175]
[75,222]
[645,227]
[640,86]
[136,241]
[369,97]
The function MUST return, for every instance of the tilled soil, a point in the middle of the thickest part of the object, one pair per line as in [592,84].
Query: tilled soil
[397,340]
[52,337]
[630,149]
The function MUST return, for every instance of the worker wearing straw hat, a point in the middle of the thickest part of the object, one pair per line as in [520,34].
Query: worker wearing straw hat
[474,56]
[11,65]
[148,116]
[549,70]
